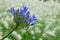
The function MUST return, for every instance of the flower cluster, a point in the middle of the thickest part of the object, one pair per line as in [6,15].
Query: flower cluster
[22,15]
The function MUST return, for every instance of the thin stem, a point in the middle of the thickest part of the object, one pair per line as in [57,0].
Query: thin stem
[10,32]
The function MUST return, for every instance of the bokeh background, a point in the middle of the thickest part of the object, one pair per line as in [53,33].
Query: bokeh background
[46,28]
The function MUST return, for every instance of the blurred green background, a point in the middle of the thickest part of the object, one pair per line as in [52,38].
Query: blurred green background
[46,28]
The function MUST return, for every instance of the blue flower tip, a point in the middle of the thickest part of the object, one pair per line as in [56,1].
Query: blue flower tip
[12,10]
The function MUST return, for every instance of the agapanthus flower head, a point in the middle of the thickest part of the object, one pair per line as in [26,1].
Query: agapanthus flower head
[22,15]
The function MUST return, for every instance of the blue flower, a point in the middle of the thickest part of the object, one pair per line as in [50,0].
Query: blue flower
[31,20]
[28,14]
[24,10]
[12,10]
[23,15]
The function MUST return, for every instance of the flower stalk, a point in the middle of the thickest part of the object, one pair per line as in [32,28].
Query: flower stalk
[14,27]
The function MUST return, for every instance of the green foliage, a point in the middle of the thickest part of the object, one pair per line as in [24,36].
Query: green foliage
[46,28]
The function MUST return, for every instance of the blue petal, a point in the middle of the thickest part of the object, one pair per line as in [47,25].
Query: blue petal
[17,11]
[31,23]
[28,14]
[34,17]
[27,21]
[23,9]
[32,20]
[12,10]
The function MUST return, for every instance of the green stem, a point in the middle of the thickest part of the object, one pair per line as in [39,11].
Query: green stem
[10,31]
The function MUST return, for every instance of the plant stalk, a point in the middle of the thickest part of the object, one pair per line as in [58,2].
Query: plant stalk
[10,32]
